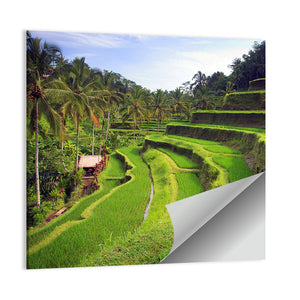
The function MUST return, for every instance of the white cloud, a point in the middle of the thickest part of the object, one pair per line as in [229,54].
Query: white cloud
[99,40]
[210,62]
[169,73]
[73,39]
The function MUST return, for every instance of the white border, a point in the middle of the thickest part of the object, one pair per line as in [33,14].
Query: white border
[274,278]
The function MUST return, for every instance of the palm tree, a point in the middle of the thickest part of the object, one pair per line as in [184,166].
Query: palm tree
[229,87]
[199,81]
[112,98]
[160,107]
[134,107]
[148,117]
[178,100]
[78,91]
[204,102]
[97,106]
[109,81]
[39,58]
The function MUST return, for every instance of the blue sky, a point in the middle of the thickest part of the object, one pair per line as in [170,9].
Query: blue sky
[152,61]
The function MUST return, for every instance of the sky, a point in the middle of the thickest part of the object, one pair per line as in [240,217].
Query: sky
[152,61]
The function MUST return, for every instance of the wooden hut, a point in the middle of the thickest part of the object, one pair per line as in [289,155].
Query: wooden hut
[89,161]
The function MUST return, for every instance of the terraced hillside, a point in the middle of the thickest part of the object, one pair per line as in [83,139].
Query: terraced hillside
[249,141]
[218,164]
[250,119]
[145,128]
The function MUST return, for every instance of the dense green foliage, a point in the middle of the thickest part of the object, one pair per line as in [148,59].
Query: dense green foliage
[250,67]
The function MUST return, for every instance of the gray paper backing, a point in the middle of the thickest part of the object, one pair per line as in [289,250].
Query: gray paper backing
[224,224]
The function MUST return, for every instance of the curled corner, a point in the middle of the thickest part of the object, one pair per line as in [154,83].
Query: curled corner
[191,214]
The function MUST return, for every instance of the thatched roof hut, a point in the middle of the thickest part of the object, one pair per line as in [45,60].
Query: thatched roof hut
[89,161]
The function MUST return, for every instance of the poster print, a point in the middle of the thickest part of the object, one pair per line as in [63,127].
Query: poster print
[122,128]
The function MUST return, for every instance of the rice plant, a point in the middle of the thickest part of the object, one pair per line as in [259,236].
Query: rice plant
[181,160]
[188,185]
[236,166]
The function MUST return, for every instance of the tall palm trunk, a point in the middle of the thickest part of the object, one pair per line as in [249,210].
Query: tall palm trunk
[77,145]
[147,126]
[134,133]
[158,125]
[107,129]
[140,131]
[62,137]
[62,149]
[93,138]
[102,133]
[37,179]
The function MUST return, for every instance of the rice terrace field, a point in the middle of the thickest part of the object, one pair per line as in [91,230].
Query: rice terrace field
[105,155]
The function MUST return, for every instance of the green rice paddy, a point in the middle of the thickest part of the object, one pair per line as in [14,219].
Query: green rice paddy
[188,185]
[181,160]
[236,166]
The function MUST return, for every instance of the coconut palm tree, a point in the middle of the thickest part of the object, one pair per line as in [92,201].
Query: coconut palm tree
[178,101]
[98,107]
[39,58]
[229,87]
[112,98]
[79,91]
[204,101]
[134,107]
[199,81]
[160,106]
[109,81]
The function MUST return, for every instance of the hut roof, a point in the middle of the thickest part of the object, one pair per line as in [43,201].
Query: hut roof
[89,161]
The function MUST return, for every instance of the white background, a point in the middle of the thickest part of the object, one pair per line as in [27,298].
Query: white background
[276,277]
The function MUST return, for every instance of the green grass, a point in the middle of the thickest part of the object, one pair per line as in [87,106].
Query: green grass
[74,214]
[221,149]
[114,168]
[113,217]
[181,160]
[188,185]
[236,166]
[193,140]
